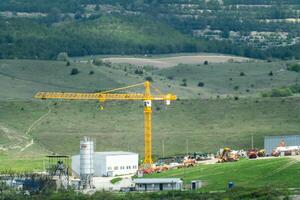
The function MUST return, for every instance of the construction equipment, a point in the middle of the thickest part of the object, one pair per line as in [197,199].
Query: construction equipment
[227,156]
[255,153]
[146,97]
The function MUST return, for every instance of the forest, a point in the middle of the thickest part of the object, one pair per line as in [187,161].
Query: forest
[89,27]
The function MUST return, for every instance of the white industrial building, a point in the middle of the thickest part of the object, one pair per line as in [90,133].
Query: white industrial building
[158,184]
[110,163]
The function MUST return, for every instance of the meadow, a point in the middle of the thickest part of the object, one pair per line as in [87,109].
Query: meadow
[275,172]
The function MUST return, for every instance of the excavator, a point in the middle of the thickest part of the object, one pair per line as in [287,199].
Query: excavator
[227,156]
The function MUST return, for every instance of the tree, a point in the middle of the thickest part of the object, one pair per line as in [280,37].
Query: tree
[149,78]
[270,73]
[200,84]
[74,71]
[63,56]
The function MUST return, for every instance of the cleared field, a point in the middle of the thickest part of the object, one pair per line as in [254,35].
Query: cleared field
[173,61]
[279,172]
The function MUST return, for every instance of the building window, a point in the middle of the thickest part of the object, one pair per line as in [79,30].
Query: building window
[129,167]
[109,168]
[141,185]
[116,168]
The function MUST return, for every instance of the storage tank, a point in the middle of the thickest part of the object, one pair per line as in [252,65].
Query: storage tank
[86,161]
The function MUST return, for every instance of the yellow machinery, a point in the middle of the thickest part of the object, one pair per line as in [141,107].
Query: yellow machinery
[147,97]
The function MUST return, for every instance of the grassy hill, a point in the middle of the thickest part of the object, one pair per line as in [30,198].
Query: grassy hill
[277,173]
[207,122]
[233,78]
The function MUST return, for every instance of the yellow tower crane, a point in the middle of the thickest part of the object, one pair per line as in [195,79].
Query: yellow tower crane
[147,97]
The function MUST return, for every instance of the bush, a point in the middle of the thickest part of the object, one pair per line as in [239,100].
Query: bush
[205,62]
[200,84]
[62,56]
[115,180]
[270,73]
[242,74]
[170,77]
[74,71]
[236,87]
[91,72]
[138,71]
[149,78]
[294,67]
[278,92]
[68,63]
[98,62]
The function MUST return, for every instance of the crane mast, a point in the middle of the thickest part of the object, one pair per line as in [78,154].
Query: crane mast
[146,97]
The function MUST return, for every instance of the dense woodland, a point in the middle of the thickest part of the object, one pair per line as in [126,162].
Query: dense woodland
[89,27]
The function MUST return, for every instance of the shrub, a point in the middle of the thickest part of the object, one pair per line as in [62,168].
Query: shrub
[242,74]
[62,56]
[91,72]
[98,62]
[149,78]
[200,84]
[236,87]
[115,180]
[294,67]
[278,92]
[170,77]
[68,63]
[184,82]
[74,71]
[270,73]
[138,71]
[205,62]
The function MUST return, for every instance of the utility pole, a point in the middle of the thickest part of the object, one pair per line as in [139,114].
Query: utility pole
[252,146]
[187,146]
[163,148]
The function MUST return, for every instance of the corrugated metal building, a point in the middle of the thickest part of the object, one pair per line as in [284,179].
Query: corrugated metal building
[271,142]
[157,184]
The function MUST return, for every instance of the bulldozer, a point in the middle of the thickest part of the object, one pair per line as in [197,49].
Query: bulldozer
[227,156]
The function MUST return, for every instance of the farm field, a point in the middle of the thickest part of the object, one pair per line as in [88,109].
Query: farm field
[277,172]
[173,61]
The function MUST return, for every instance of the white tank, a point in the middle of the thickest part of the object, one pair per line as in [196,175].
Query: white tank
[86,156]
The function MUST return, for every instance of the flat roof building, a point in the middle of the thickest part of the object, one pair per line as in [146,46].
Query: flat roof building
[110,163]
[272,142]
[158,184]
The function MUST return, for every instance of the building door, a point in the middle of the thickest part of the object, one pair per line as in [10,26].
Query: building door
[161,187]
[193,185]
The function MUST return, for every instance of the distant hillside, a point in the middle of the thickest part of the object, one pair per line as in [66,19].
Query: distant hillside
[42,29]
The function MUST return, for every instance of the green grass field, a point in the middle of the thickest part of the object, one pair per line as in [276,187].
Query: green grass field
[278,172]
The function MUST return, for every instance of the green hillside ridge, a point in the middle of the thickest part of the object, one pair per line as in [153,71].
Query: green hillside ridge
[24,38]
[207,124]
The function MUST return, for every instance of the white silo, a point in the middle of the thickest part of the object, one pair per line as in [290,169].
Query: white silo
[86,162]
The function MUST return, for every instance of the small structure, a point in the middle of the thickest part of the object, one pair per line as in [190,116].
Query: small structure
[157,184]
[196,184]
[110,163]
